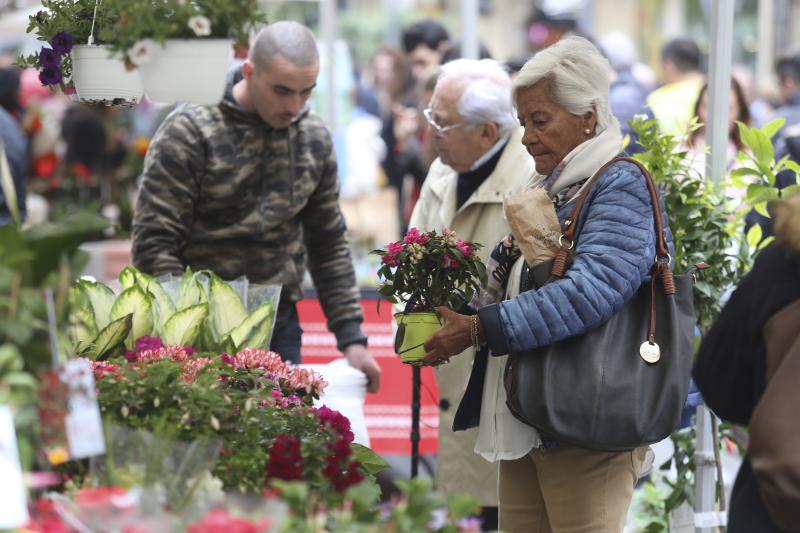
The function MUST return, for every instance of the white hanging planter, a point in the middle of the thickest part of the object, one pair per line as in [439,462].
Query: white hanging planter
[188,70]
[102,79]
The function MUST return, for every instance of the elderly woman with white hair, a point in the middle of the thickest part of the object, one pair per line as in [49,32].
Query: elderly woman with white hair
[481,160]
[561,96]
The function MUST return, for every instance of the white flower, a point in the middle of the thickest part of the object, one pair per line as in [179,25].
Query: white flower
[200,25]
[142,51]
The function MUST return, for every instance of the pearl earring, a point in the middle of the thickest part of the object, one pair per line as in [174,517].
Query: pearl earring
[587,131]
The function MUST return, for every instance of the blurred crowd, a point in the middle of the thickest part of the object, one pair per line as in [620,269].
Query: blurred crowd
[64,154]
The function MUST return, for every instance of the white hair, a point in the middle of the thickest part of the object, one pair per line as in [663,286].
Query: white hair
[578,76]
[487,92]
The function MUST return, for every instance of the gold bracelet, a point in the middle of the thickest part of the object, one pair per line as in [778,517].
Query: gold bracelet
[474,331]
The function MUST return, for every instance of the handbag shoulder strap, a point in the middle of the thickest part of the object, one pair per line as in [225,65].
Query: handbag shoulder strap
[662,258]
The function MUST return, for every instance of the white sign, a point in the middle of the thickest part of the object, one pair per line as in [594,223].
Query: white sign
[13,505]
[83,424]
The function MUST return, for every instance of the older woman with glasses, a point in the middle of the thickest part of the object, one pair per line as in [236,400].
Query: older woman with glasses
[561,96]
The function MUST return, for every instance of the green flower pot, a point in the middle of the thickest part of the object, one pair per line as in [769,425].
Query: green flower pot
[413,329]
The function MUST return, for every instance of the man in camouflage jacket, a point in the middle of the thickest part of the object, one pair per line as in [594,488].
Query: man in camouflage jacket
[250,187]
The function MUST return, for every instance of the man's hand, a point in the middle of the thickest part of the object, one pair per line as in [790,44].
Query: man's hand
[360,359]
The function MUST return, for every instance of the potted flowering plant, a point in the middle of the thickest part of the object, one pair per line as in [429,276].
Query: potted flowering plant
[182,48]
[424,271]
[76,55]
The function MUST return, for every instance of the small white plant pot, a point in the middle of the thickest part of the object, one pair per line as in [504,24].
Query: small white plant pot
[188,70]
[100,78]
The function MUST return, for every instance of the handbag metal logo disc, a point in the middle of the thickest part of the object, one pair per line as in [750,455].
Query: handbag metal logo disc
[651,353]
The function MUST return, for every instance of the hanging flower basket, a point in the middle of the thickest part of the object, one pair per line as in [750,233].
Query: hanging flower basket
[187,70]
[102,79]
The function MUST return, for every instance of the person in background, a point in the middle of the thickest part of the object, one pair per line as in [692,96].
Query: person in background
[249,187]
[696,141]
[15,146]
[425,42]
[730,369]
[673,103]
[481,161]
[627,96]
[553,21]
[561,97]
[408,145]
[391,79]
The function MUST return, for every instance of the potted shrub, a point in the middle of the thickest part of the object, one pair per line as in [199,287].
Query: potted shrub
[424,271]
[182,49]
[76,55]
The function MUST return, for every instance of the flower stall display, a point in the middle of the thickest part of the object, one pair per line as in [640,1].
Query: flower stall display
[76,55]
[424,271]
[183,49]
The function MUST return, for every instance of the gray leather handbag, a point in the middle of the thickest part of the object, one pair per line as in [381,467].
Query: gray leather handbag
[622,384]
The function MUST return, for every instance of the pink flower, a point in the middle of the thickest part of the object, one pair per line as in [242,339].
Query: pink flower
[103,369]
[415,237]
[464,247]
[451,262]
[390,260]
[308,381]
[259,358]
[172,352]
[192,367]
[392,249]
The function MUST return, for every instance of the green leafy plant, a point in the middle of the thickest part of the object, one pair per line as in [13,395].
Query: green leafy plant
[200,310]
[62,24]
[428,270]
[413,512]
[143,23]
[699,216]
[32,260]
[758,174]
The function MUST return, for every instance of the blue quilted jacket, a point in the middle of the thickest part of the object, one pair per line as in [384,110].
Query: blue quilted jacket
[615,249]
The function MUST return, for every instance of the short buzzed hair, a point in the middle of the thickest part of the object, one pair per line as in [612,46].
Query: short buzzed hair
[288,39]
[684,54]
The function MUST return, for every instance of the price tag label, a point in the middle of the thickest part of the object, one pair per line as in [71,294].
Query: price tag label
[69,416]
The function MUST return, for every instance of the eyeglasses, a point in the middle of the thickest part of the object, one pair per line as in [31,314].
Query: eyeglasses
[441,130]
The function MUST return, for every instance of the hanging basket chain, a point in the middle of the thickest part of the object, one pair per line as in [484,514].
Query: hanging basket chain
[90,40]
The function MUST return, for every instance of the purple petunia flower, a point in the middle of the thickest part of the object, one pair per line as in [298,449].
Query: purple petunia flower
[49,58]
[62,42]
[50,76]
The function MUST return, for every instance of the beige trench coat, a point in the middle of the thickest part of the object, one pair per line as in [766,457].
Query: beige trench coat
[479,220]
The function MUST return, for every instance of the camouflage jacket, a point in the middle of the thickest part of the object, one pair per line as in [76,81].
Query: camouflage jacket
[222,190]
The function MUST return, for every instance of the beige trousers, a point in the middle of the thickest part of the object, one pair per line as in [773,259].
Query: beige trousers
[568,490]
